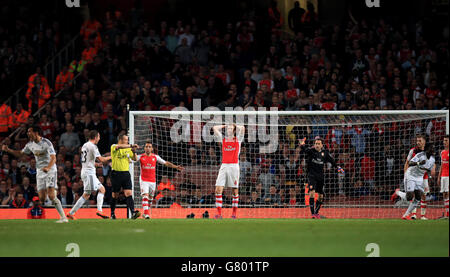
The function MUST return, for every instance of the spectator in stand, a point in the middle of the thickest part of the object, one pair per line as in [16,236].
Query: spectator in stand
[295,18]
[367,171]
[168,198]
[65,196]
[19,202]
[28,189]
[37,94]
[20,116]
[272,198]
[266,178]
[5,120]
[70,140]
[89,27]
[36,211]
[254,199]
[3,191]
[358,138]
[9,197]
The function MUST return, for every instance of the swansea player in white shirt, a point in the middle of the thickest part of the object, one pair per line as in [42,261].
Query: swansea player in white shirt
[422,162]
[46,176]
[229,170]
[91,184]
[148,162]
[420,146]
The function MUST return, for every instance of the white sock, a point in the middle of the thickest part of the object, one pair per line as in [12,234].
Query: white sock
[402,195]
[100,201]
[412,206]
[58,207]
[77,205]
[145,205]
[446,206]
[423,207]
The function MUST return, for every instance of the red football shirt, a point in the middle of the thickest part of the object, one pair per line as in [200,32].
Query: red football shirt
[230,151]
[148,167]
[444,163]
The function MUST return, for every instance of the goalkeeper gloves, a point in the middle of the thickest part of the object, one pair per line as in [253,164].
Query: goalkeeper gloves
[340,170]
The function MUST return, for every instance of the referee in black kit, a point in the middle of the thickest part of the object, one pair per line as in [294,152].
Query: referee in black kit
[316,158]
[121,153]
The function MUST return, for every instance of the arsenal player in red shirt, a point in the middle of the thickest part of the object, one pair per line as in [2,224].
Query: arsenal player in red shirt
[229,170]
[148,162]
[443,175]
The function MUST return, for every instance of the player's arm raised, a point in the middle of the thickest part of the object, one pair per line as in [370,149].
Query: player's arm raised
[302,144]
[240,131]
[133,150]
[125,146]
[217,131]
[171,165]
[16,153]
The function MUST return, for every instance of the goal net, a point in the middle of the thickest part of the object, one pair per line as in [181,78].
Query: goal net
[371,146]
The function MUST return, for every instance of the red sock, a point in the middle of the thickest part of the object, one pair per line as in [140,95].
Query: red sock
[219,203]
[235,204]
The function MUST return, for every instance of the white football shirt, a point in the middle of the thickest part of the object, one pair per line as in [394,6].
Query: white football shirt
[89,152]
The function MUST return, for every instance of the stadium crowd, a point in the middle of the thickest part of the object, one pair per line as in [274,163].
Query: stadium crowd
[358,65]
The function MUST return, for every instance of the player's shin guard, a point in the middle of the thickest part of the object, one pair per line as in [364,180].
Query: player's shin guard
[77,205]
[219,203]
[100,197]
[145,205]
[58,207]
[423,207]
[235,204]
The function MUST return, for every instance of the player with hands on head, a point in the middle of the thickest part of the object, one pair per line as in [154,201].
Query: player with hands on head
[148,162]
[316,158]
[46,173]
[89,154]
[229,170]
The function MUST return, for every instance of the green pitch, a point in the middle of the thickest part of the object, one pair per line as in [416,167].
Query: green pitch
[225,238]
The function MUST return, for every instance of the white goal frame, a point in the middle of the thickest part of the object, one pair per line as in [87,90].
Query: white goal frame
[133,114]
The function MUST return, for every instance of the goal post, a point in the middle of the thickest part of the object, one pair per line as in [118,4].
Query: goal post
[371,146]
